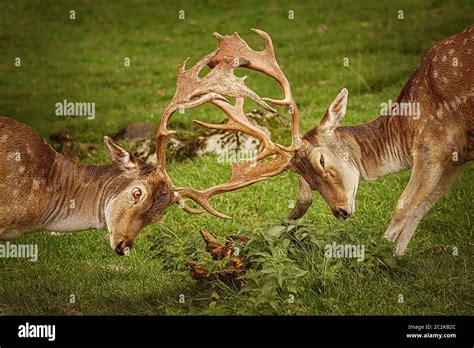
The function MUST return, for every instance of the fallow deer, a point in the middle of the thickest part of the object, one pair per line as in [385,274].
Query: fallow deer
[437,142]
[42,190]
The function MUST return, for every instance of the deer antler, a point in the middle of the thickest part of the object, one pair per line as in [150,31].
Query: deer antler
[235,48]
[193,91]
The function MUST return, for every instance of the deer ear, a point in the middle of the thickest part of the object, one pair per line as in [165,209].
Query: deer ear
[119,155]
[333,116]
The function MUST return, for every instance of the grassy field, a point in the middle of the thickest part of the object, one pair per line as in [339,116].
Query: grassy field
[83,60]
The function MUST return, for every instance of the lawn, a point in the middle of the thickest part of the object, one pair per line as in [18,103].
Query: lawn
[83,60]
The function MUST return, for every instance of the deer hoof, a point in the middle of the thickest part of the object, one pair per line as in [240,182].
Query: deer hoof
[392,234]
[400,249]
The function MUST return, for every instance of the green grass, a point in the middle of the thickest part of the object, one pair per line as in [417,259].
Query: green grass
[82,60]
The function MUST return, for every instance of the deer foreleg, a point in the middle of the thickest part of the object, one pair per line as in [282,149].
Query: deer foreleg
[426,187]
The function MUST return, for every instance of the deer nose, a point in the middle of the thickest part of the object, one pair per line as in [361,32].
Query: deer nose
[341,213]
[119,249]
[122,248]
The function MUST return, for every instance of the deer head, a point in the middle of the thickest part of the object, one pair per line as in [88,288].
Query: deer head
[324,160]
[139,197]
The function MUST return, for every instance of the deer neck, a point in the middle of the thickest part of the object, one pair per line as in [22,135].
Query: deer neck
[380,147]
[80,194]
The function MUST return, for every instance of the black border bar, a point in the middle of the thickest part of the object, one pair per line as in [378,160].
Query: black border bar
[223,331]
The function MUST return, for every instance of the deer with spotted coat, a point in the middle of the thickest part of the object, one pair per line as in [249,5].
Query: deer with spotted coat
[436,143]
[42,190]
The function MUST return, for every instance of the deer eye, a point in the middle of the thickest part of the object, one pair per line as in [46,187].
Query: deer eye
[321,161]
[136,193]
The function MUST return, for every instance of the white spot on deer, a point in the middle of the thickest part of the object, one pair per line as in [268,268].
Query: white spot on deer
[451,51]
[464,41]
[21,169]
[4,137]
[435,74]
[36,184]
[439,113]
[435,58]
[444,58]
[445,80]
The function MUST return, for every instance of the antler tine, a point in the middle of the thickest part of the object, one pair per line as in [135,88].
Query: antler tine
[235,48]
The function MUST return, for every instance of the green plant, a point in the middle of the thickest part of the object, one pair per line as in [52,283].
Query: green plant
[272,281]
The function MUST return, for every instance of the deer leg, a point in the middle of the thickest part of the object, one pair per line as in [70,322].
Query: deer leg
[427,185]
[422,182]
[305,199]
[444,184]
